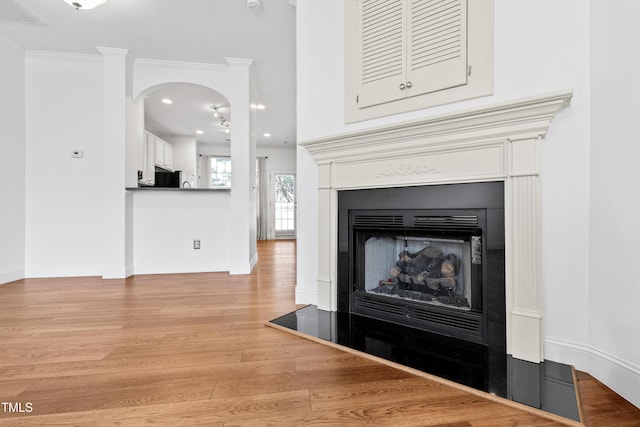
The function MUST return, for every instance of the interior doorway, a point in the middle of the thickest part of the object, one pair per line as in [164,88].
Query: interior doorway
[284,204]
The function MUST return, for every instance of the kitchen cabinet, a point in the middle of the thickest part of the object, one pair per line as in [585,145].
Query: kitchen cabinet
[164,154]
[148,160]
[168,155]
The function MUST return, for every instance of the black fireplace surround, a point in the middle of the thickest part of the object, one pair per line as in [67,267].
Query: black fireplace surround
[428,257]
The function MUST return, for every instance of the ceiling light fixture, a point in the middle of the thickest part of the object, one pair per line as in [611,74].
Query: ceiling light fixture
[167,101]
[223,122]
[260,107]
[85,4]
[266,134]
[199,132]
[254,5]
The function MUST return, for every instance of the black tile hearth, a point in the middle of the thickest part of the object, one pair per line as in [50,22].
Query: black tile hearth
[547,386]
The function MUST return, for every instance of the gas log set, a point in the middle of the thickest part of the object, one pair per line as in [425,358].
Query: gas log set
[427,275]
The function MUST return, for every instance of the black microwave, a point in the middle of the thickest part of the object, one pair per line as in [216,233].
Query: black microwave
[168,179]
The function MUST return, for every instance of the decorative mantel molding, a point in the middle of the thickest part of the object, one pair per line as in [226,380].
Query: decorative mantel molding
[522,119]
[495,143]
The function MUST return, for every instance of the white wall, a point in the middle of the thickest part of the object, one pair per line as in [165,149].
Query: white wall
[12,162]
[167,222]
[214,150]
[614,291]
[64,112]
[279,158]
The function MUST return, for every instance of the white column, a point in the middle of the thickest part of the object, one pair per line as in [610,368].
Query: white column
[328,243]
[524,251]
[243,174]
[117,248]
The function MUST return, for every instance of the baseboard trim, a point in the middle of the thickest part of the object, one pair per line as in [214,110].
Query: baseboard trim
[129,269]
[50,271]
[620,375]
[164,269]
[240,268]
[254,261]
[11,276]
[305,296]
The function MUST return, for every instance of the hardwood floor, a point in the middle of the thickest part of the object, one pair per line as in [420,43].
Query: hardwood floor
[192,349]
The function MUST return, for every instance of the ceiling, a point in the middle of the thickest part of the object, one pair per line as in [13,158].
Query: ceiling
[202,31]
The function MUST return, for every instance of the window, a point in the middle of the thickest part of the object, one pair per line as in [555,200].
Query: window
[220,172]
[404,55]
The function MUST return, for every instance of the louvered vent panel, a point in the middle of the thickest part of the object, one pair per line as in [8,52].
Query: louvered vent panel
[377,221]
[450,222]
[382,39]
[10,11]
[436,32]
[389,308]
[468,324]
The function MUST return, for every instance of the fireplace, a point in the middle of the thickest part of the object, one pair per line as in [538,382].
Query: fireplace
[429,257]
[497,143]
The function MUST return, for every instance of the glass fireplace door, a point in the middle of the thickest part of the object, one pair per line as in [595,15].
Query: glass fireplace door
[432,270]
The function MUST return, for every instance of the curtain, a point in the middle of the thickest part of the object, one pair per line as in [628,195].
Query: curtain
[263,200]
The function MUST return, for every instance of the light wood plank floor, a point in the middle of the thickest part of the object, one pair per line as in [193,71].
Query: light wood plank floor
[192,349]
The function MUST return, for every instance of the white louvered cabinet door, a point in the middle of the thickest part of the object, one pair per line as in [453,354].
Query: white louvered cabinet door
[382,51]
[410,48]
[436,45]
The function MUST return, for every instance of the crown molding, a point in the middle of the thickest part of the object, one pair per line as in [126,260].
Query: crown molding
[518,119]
[65,56]
[180,64]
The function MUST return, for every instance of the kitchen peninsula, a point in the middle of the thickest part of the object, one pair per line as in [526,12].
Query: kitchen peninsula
[180,230]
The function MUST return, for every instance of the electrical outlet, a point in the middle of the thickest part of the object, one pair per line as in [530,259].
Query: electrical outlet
[196,244]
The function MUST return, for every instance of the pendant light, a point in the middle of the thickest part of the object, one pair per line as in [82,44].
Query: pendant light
[85,4]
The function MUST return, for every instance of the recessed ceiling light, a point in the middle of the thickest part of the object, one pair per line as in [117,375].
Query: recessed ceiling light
[199,132]
[167,101]
[260,107]
[267,134]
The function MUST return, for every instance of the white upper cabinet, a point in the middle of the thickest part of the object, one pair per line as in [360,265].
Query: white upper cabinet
[436,45]
[403,55]
[164,154]
[411,47]
[382,51]
[160,160]
[168,155]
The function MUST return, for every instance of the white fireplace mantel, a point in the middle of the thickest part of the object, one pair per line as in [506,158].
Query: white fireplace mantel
[494,143]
